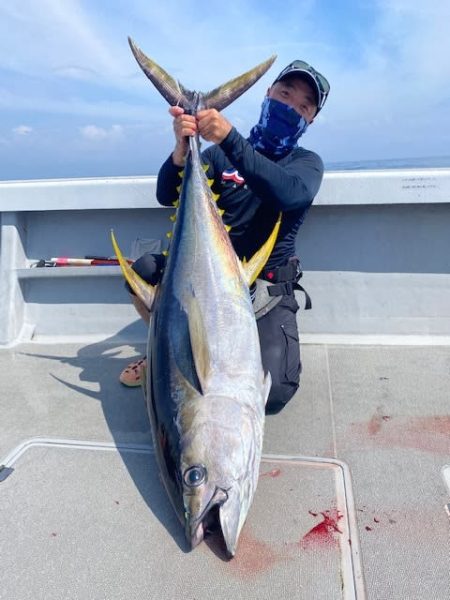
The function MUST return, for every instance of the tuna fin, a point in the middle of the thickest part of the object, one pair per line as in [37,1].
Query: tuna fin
[163,82]
[254,266]
[143,290]
[199,344]
[222,96]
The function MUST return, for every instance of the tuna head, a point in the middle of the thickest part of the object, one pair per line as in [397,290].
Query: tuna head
[219,470]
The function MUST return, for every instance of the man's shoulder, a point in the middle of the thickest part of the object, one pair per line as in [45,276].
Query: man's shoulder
[307,155]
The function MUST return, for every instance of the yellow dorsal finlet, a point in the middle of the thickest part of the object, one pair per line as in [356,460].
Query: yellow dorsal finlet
[210,182]
[169,234]
[181,174]
[205,167]
[216,197]
[176,203]
[228,227]
[165,253]
[173,218]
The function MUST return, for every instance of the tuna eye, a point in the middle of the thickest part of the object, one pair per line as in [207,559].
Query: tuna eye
[195,476]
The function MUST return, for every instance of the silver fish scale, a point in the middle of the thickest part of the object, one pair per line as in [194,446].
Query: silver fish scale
[214,278]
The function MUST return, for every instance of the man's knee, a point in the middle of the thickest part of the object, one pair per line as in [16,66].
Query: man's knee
[280,395]
[149,267]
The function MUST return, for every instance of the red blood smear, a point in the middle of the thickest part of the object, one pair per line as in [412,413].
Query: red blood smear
[273,473]
[253,556]
[428,434]
[323,534]
[374,425]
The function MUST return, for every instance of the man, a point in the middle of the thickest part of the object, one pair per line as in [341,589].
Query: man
[256,178]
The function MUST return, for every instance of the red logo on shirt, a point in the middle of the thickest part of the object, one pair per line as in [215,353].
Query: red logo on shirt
[233,175]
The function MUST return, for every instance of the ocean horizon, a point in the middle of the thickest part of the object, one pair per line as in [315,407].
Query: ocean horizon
[427,162]
[81,172]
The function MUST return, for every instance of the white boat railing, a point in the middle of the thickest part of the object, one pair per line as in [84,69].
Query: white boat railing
[375,249]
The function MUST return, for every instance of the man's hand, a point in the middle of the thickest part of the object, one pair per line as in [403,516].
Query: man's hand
[209,123]
[184,126]
[212,126]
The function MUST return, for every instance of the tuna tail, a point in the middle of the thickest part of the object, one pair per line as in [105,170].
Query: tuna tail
[170,89]
[222,96]
[176,94]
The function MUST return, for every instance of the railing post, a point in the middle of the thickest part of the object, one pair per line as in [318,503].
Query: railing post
[12,256]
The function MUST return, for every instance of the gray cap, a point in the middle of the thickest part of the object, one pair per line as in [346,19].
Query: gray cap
[317,81]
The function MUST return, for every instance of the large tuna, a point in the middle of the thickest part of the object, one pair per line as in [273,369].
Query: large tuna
[206,389]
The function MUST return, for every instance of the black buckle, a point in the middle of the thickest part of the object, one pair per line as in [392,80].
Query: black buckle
[286,288]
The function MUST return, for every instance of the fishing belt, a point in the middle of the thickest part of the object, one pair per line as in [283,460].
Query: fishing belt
[275,283]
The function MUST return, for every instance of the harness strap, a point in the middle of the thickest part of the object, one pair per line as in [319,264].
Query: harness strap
[263,302]
[287,288]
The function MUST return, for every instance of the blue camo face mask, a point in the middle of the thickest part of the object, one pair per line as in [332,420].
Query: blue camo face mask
[278,129]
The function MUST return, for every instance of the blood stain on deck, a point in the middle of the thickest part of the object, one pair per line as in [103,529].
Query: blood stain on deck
[273,473]
[253,556]
[324,533]
[428,434]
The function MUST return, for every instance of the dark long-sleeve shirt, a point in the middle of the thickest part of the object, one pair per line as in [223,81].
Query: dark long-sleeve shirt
[253,190]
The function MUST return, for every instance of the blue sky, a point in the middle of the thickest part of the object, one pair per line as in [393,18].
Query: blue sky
[73,102]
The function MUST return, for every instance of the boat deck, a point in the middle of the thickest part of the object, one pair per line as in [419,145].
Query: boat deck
[85,516]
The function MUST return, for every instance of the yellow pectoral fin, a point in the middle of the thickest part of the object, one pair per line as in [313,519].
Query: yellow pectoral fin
[254,266]
[143,290]
[199,342]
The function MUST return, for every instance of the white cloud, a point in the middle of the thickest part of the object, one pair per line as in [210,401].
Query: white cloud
[95,133]
[390,79]
[75,72]
[22,130]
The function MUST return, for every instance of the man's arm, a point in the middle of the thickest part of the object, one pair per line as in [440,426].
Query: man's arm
[168,180]
[210,124]
[288,186]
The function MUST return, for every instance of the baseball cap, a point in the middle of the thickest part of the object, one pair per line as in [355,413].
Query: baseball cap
[318,82]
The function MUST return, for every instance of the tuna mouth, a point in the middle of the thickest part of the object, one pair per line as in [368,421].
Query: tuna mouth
[209,520]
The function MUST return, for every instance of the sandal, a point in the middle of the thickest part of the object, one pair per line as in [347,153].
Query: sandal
[131,376]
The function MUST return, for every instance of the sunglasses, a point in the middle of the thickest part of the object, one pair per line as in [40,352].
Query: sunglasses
[321,81]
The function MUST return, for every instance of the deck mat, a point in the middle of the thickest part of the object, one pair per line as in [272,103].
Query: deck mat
[91,520]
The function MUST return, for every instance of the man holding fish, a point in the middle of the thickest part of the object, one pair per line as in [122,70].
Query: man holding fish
[255,179]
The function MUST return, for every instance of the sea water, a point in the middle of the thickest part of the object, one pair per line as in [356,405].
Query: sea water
[428,162]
